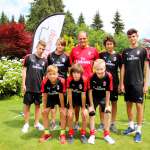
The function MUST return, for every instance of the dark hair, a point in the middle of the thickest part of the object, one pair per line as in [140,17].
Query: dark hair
[131,31]
[76,68]
[110,39]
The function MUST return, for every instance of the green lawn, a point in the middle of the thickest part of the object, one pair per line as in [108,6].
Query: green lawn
[11,137]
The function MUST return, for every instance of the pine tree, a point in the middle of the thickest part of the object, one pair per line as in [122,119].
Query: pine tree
[97,22]
[117,23]
[80,20]
[69,26]
[12,19]
[41,9]
[21,19]
[3,19]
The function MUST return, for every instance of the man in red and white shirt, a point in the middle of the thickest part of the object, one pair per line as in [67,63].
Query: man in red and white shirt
[84,55]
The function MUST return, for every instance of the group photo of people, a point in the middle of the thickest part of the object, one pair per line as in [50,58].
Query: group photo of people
[78,83]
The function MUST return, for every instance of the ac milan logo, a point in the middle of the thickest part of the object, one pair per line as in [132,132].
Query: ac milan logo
[80,86]
[104,83]
[57,87]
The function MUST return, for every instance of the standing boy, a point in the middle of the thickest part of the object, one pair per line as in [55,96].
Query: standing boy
[134,81]
[34,67]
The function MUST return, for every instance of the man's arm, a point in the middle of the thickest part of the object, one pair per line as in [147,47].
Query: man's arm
[69,96]
[61,97]
[122,78]
[146,71]
[24,79]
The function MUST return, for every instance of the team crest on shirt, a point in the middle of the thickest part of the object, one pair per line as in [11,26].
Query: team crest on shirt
[104,83]
[89,53]
[138,52]
[115,58]
[58,87]
[63,60]
[80,86]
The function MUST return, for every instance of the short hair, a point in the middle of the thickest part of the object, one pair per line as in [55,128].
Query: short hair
[52,68]
[76,68]
[62,41]
[41,42]
[98,62]
[83,32]
[132,31]
[110,39]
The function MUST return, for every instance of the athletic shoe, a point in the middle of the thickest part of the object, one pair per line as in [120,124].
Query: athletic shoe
[101,127]
[62,139]
[128,131]
[25,128]
[39,126]
[108,139]
[137,137]
[70,139]
[83,139]
[76,127]
[113,128]
[91,139]
[45,137]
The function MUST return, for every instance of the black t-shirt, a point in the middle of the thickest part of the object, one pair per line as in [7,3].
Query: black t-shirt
[36,68]
[100,86]
[77,87]
[134,59]
[113,63]
[61,61]
[53,90]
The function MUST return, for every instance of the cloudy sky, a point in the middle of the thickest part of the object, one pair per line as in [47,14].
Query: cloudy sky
[134,13]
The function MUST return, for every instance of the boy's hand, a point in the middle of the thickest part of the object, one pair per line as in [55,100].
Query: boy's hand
[145,89]
[91,111]
[23,89]
[122,89]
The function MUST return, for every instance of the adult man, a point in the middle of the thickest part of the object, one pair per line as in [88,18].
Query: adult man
[84,55]
[134,81]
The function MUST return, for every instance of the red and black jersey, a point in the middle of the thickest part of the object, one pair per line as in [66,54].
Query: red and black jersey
[113,63]
[85,57]
[133,59]
[36,68]
[77,87]
[100,86]
[61,61]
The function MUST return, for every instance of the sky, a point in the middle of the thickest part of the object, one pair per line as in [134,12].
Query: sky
[134,13]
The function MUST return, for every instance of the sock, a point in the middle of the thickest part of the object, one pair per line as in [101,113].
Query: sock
[71,132]
[139,129]
[62,132]
[83,132]
[46,131]
[131,124]
[92,132]
[106,133]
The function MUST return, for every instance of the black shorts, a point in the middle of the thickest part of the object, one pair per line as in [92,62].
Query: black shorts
[113,96]
[134,93]
[30,98]
[100,102]
[54,100]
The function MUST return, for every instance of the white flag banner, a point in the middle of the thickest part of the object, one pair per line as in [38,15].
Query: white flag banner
[49,31]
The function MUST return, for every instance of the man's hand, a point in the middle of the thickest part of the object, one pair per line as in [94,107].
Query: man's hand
[107,109]
[23,89]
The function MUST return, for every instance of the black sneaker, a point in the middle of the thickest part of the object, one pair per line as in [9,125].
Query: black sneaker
[128,131]
[70,139]
[83,139]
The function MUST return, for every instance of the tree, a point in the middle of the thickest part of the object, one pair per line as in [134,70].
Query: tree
[41,9]
[12,19]
[69,27]
[97,22]
[21,19]
[3,19]
[80,20]
[117,23]
[14,40]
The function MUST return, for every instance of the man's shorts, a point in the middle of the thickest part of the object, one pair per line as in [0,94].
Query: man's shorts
[113,96]
[30,98]
[54,100]
[100,102]
[134,93]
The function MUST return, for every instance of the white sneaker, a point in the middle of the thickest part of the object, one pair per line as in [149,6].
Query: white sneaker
[39,126]
[109,139]
[25,128]
[91,139]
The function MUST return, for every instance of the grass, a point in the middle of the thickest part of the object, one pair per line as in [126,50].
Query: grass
[11,137]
